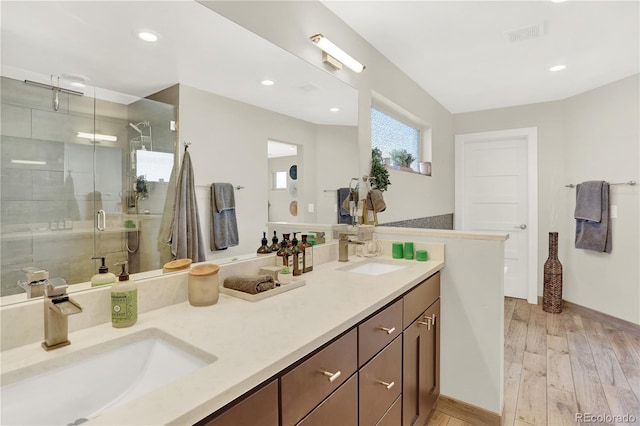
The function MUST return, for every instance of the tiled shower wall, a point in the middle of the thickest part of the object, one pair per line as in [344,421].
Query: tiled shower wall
[60,186]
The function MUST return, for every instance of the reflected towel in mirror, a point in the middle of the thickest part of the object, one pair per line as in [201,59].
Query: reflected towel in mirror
[224,225]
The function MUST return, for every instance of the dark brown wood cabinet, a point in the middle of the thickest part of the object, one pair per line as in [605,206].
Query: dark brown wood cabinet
[257,409]
[384,371]
[421,354]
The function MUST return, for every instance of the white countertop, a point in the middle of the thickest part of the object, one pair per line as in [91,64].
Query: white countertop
[253,341]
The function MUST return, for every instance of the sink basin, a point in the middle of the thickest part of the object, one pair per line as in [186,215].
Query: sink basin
[373,267]
[98,379]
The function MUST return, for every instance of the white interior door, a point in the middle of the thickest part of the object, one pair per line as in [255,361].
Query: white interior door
[493,174]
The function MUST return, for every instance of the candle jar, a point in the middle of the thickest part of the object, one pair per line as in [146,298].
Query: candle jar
[203,285]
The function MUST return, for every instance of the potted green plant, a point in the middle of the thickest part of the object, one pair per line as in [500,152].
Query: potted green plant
[141,188]
[378,171]
[284,276]
[401,158]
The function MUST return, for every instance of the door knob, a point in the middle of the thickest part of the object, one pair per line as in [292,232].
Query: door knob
[521,226]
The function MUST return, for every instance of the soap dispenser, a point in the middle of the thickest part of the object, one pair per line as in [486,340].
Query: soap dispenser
[264,248]
[103,277]
[124,300]
[275,246]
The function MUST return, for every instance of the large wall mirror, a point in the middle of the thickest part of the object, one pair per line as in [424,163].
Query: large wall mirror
[89,153]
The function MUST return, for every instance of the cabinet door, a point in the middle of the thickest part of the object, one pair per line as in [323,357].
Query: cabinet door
[258,409]
[431,388]
[421,366]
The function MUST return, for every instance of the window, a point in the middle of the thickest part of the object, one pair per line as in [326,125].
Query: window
[280,180]
[389,134]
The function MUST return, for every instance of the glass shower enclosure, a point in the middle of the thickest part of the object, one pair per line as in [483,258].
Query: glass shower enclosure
[84,174]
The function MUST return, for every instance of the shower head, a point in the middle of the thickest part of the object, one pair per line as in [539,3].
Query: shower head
[136,128]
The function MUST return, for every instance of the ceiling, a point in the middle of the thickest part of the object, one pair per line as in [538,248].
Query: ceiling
[197,48]
[458,52]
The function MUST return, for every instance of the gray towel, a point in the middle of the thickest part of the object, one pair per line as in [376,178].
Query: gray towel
[589,201]
[185,236]
[224,198]
[224,225]
[595,236]
[252,284]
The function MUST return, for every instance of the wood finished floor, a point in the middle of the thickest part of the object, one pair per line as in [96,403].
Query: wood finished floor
[557,365]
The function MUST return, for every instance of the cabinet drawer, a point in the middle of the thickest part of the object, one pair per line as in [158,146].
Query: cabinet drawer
[258,409]
[393,416]
[309,383]
[341,408]
[376,333]
[420,298]
[380,383]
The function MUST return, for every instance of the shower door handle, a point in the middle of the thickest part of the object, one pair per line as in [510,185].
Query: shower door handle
[101,220]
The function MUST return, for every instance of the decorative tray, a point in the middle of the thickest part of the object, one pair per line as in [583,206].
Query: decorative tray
[265,294]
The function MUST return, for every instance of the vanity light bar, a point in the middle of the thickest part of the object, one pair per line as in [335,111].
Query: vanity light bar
[336,53]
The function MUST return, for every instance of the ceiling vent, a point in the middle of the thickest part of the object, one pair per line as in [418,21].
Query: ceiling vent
[308,87]
[525,33]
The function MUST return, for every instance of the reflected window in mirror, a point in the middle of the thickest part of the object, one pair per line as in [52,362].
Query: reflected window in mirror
[279,180]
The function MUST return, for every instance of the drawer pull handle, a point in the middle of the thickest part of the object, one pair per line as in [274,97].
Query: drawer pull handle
[388,330]
[332,376]
[387,385]
[428,323]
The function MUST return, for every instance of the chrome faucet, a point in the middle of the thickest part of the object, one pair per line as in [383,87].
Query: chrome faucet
[343,247]
[57,307]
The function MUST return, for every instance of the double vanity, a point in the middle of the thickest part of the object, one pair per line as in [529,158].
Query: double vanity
[339,340]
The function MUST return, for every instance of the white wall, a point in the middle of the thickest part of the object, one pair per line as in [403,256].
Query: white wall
[590,136]
[472,314]
[337,159]
[289,24]
[229,144]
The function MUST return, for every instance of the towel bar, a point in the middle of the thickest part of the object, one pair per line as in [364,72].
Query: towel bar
[631,182]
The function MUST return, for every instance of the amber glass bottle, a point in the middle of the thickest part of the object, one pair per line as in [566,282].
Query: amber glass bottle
[298,256]
[307,249]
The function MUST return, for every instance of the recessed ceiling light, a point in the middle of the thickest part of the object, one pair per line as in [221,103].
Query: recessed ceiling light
[557,68]
[558,1]
[148,36]
[267,82]
[75,80]
[334,109]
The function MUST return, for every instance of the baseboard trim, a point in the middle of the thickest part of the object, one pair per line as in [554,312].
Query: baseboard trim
[467,412]
[619,323]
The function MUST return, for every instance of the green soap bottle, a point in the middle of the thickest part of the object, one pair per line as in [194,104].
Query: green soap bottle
[103,277]
[124,300]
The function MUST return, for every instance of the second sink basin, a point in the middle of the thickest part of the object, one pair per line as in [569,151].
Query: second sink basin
[98,379]
[373,267]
